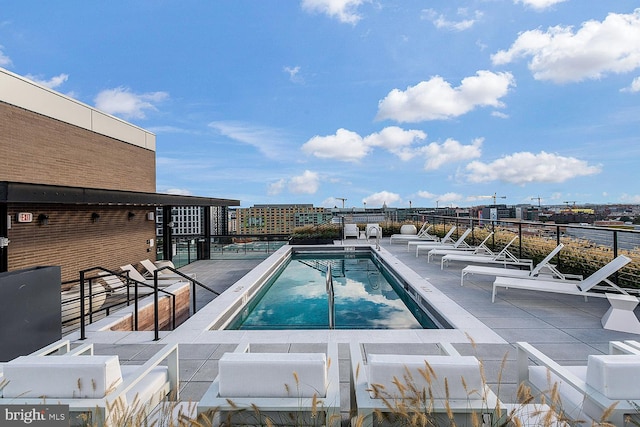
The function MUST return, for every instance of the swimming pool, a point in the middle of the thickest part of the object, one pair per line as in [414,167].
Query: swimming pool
[367,295]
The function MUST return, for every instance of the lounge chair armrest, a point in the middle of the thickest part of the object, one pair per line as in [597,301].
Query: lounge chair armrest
[447,349]
[168,353]
[526,351]
[618,347]
[82,350]
[63,345]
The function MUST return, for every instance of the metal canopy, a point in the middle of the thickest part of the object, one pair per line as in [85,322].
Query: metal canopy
[17,192]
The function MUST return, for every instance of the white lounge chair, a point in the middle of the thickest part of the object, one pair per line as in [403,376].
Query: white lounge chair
[572,287]
[503,257]
[446,240]
[586,392]
[456,383]
[70,300]
[137,276]
[422,234]
[543,270]
[351,230]
[459,244]
[481,249]
[282,386]
[373,230]
[90,384]
[151,267]
[61,347]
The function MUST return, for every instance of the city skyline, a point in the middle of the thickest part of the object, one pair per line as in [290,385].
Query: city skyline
[374,102]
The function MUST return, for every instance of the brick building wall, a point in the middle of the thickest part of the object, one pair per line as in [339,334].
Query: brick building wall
[73,241]
[42,150]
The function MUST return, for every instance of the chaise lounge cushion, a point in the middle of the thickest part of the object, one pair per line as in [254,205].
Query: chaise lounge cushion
[615,376]
[272,375]
[384,369]
[61,377]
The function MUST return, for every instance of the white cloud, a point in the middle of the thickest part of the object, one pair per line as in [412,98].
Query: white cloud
[426,195]
[446,198]
[294,74]
[635,86]
[5,61]
[499,115]
[277,187]
[596,49]
[307,183]
[168,129]
[52,83]
[349,146]
[178,191]
[441,199]
[121,101]
[441,22]
[435,99]
[382,198]
[524,167]
[268,141]
[450,151]
[630,198]
[344,10]
[539,4]
[345,145]
[396,140]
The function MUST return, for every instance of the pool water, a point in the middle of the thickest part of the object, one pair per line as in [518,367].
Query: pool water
[366,297]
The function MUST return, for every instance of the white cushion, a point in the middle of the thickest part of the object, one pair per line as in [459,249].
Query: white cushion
[272,375]
[615,376]
[383,368]
[61,376]
[408,229]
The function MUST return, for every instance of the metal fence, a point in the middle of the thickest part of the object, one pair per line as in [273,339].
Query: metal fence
[186,250]
[586,247]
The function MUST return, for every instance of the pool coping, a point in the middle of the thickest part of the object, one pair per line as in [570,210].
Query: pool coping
[466,327]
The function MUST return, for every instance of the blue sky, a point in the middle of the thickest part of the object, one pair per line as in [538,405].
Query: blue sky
[399,102]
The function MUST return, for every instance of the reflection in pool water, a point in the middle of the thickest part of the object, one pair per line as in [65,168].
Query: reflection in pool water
[366,297]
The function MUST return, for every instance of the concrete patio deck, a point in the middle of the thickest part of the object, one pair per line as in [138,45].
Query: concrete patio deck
[563,326]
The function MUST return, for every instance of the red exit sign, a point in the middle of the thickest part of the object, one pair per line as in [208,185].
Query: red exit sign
[25,217]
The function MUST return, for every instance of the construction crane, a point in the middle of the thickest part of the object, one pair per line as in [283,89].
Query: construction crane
[538,199]
[343,200]
[494,197]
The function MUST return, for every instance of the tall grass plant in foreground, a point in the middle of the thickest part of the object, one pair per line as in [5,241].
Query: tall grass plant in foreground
[406,406]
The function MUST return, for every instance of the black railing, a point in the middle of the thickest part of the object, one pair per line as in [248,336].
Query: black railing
[136,297]
[586,246]
[194,283]
[187,249]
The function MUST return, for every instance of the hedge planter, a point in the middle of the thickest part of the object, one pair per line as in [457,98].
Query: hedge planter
[311,241]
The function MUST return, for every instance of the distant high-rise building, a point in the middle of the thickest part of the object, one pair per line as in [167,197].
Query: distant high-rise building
[279,219]
[190,220]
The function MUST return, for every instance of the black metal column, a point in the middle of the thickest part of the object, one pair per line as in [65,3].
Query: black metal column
[206,252]
[4,232]
[167,233]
